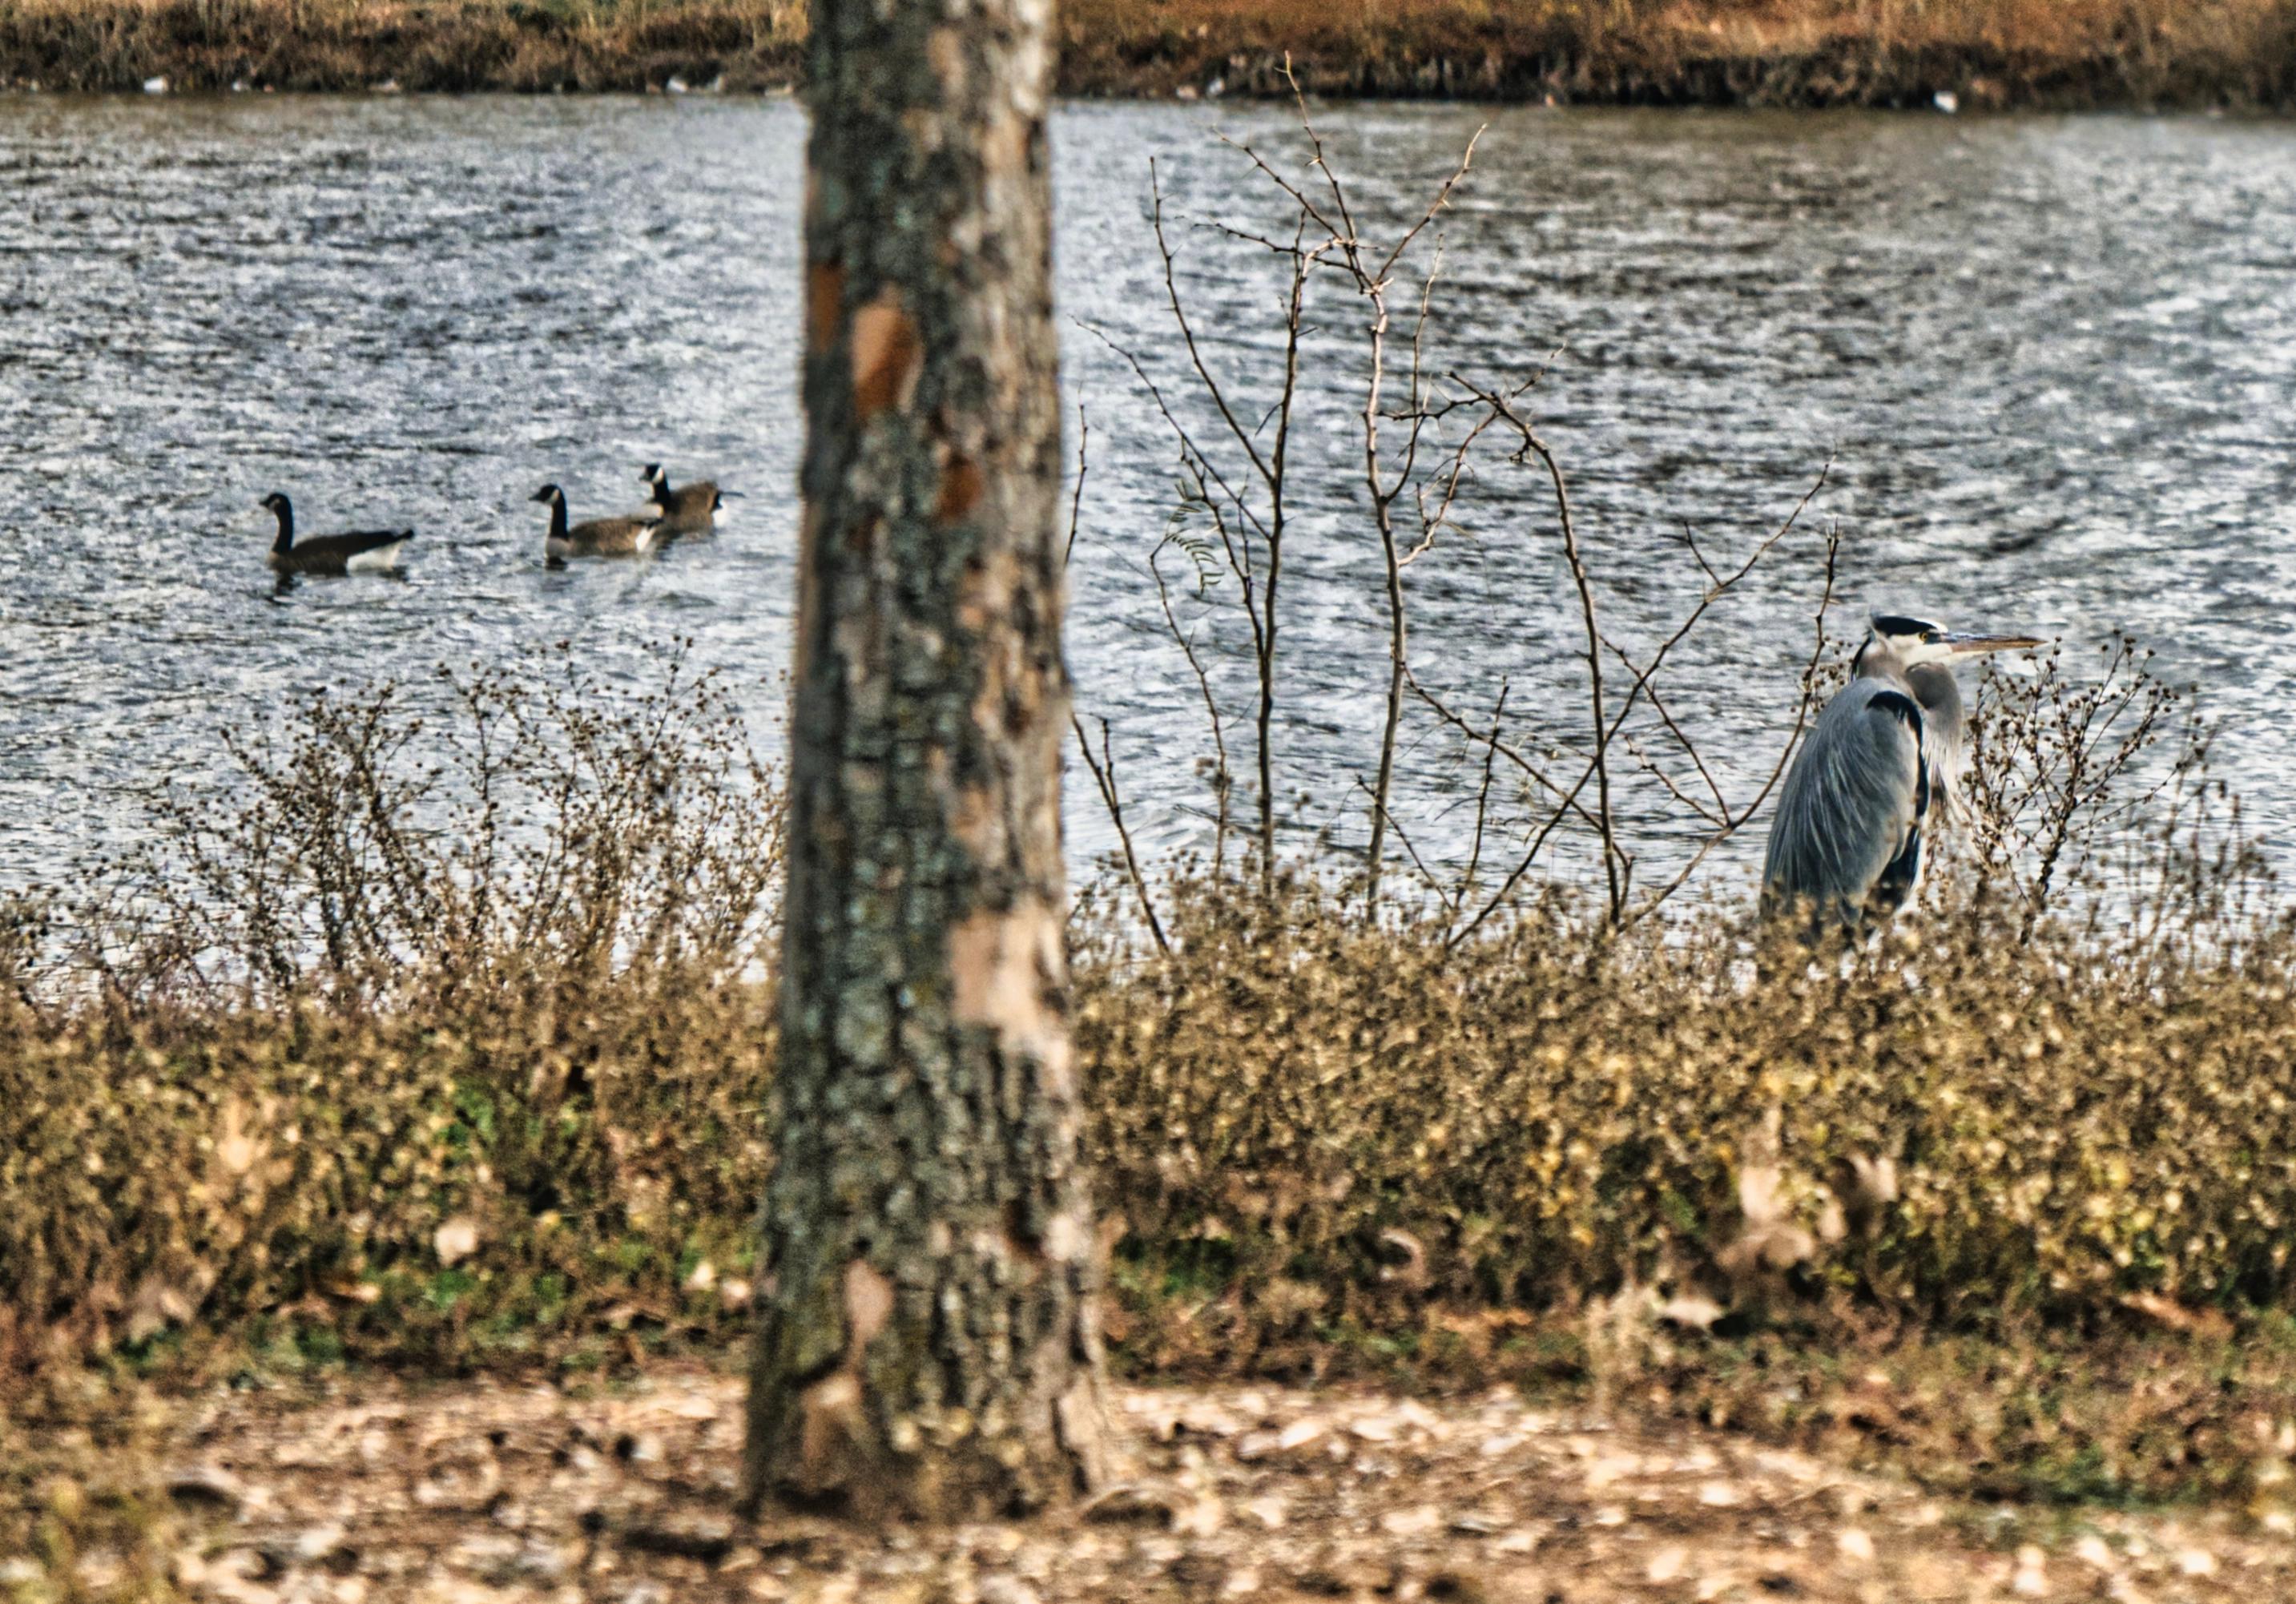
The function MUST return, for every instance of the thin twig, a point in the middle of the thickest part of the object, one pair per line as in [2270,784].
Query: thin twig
[1565,798]
[1222,782]
[1411,852]
[1103,774]
[1483,804]
[1187,330]
[1084,464]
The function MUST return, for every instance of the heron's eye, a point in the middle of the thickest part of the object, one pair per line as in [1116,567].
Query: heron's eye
[1929,635]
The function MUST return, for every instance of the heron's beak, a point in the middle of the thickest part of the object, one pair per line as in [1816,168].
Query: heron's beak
[1968,645]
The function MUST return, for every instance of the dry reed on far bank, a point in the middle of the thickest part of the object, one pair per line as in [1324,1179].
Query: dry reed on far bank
[2064,54]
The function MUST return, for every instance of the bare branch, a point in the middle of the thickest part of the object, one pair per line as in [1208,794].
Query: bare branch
[1187,330]
[1222,781]
[1690,538]
[1192,451]
[1103,774]
[1531,771]
[1411,852]
[1482,805]
[1777,772]
[1084,465]
[1442,198]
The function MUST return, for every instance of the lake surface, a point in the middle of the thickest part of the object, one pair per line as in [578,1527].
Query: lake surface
[2052,360]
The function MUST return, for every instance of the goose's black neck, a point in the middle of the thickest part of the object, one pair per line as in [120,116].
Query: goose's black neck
[662,494]
[285,513]
[558,517]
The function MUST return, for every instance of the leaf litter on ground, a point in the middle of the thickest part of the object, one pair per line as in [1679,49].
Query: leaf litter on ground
[369,1488]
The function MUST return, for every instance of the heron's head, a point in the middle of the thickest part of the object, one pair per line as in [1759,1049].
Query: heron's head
[1910,642]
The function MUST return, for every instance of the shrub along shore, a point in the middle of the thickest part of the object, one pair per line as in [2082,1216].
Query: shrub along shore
[2052,53]
[2014,1223]
[329,1078]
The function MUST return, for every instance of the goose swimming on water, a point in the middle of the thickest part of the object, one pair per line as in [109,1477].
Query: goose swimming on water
[357,551]
[690,509]
[594,537]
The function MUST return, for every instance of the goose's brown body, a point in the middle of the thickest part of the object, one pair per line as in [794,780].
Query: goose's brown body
[689,509]
[594,537]
[354,551]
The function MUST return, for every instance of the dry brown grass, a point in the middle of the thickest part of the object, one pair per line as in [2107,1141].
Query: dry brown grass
[2057,53]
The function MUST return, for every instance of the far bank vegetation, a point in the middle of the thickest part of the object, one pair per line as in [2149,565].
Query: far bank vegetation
[2058,53]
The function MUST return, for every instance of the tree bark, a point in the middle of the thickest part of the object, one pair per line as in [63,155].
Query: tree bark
[929,1346]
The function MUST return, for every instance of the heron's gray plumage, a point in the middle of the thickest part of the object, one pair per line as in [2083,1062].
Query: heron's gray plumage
[1875,777]
[1852,808]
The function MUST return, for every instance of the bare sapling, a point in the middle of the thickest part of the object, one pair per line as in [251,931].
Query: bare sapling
[1424,435]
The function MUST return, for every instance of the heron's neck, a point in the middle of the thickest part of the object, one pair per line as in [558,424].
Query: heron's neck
[1936,689]
[1876,661]
[1945,729]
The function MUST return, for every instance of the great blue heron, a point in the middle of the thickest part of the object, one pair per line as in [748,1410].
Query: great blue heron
[1878,769]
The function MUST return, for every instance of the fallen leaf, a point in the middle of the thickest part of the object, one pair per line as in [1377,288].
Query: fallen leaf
[1127,1502]
[1411,1522]
[2179,1317]
[1691,1311]
[455,1240]
[1411,1275]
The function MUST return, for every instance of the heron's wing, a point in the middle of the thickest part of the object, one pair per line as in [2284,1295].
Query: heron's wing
[1849,814]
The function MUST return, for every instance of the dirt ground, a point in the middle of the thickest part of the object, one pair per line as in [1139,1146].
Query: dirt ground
[380,1491]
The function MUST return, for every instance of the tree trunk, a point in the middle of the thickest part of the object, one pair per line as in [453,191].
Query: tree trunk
[929,1346]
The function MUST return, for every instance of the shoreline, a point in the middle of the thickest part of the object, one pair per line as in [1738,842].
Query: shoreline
[1975,54]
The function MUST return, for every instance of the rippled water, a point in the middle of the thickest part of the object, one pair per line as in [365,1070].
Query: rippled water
[2054,362]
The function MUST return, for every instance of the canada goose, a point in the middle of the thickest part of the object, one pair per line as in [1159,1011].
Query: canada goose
[594,537]
[691,509]
[359,551]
